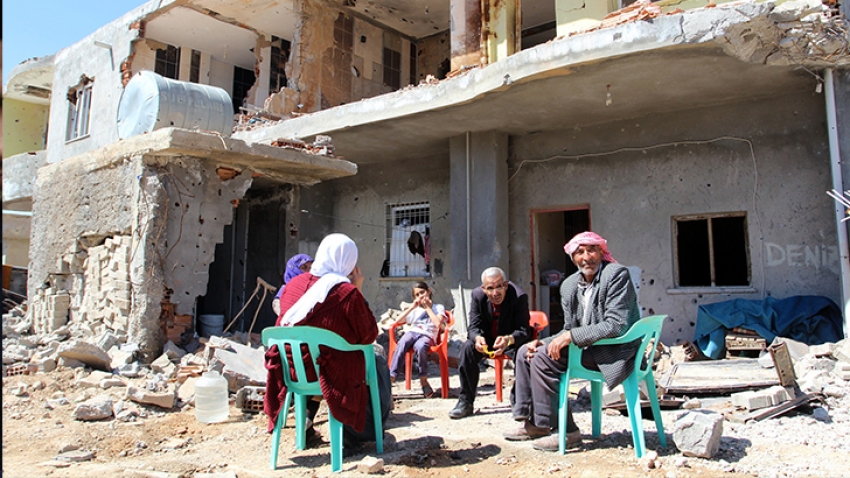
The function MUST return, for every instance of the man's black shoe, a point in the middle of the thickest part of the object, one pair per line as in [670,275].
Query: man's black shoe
[462,409]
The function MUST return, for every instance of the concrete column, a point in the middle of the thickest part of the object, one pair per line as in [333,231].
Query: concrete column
[500,29]
[146,272]
[465,33]
[478,209]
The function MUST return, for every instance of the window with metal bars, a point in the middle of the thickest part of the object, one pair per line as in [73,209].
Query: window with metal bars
[712,251]
[168,62]
[279,56]
[79,110]
[408,250]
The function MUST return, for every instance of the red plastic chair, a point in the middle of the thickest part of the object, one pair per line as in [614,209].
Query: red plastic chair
[441,348]
[538,321]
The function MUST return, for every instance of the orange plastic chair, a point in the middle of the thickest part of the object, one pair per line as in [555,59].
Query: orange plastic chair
[538,321]
[441,348]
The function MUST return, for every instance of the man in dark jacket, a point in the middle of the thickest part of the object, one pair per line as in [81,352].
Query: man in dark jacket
[498,323]
[599,301]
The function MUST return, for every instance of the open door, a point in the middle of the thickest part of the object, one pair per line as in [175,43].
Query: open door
[552,229]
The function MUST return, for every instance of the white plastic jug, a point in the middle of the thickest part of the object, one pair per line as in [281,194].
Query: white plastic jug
[211,404]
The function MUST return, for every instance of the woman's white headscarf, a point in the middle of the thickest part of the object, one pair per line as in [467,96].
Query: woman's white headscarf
[335,259]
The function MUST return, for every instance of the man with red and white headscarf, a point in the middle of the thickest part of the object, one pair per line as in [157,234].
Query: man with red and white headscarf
[599,301]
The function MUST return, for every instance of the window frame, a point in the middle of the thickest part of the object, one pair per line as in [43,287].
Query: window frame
[163,63]
[709,217]
[79,108]
[397,236]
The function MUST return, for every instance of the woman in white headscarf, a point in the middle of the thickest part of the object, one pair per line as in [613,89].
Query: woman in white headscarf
[329,297]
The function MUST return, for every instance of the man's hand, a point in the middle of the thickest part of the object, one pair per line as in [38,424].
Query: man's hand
[531,349]
[557,344]
[502,343]
[480,343]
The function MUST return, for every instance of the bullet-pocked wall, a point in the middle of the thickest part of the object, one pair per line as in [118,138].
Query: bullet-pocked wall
[358,206]
[137,230]
[767,160]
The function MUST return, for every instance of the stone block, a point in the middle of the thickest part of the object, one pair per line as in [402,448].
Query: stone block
[698,432]
[371,465]
[140,395]
[842,370]
[822,350]
[841,351]
[162,364]
[87,353]
[45,365]
[118,357]
[96,408]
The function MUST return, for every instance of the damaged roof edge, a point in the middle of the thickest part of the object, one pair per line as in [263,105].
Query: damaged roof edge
[693,27]
[286,165]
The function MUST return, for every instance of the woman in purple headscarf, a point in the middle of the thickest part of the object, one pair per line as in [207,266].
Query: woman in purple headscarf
[295,266]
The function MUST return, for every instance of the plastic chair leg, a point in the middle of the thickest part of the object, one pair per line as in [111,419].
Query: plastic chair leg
[500,366]
[444,376]
[376,416]
[656,409]
[285,411]
[634,408]
[281,418]
[300,421]
[596,407]
[335,427]
[408,368]
[563,406]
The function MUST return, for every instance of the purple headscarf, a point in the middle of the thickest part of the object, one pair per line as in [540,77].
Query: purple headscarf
[293,266]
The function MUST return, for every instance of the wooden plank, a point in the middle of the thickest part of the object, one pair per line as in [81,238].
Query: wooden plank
[718,376]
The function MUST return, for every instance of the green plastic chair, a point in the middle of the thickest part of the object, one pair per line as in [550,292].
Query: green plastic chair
[302,390]
[646,330]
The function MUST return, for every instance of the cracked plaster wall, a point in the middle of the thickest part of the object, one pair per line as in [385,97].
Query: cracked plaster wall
[173,209]
[633,196]
[357,206]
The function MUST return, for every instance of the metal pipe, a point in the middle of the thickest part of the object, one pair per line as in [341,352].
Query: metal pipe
[838,184]
[8,212]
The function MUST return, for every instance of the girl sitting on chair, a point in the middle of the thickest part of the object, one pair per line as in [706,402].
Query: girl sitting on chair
[425,318]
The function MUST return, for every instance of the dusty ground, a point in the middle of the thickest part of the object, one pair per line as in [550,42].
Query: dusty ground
[420,441]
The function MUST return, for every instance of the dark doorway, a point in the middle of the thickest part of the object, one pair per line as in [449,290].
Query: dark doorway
[254,246]
[552,230]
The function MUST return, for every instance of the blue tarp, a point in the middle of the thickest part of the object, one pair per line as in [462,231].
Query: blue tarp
[809,319]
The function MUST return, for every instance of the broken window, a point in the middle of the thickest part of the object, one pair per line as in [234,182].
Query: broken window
[279,56]
[168,62]
[79,111]
[712,251]
[408,240]
[195,67]
[392,61]
[243,80]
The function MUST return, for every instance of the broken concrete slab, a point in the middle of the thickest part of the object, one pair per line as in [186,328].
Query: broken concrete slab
[140,395]
[75,456]
[93,379]
[87,353]
[242,367]
[172,351]
[698,432]
[97,408]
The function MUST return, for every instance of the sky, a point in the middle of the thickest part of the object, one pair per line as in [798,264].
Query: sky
[34,28]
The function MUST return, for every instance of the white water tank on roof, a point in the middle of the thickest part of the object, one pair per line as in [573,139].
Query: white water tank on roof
[150,102]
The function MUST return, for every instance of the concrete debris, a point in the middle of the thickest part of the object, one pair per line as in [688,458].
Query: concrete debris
[87,353]
[250,399]
[242,365]
[97,408]
[93,379]
[371,465]
[172,351]
[322,146]
[75,456]
[140,395]
[698,432]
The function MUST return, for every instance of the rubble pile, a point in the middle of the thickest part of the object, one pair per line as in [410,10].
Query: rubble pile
[113,382]
[322,146]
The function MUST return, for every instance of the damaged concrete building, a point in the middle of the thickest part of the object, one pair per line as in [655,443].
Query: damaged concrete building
[698,137]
